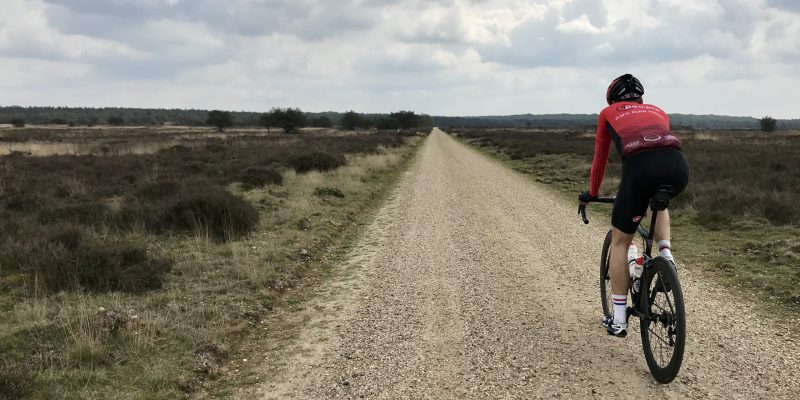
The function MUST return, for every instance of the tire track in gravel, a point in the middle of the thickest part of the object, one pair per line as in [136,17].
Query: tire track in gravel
[474,282]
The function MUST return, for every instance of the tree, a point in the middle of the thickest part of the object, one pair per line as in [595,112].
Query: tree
[406,119]
[116,121]
[383,122]
[18,123]
[351,120]
[220,119]
[290,119]
[266,121]
[321,122]
[768,124]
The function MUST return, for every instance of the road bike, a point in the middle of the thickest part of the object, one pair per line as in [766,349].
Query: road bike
[658,304]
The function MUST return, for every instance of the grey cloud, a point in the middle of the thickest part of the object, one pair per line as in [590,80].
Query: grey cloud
[309,19]
[593,9]
[791,5]
[678,37]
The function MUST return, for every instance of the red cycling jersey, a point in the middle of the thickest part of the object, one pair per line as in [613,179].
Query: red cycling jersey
[633,127]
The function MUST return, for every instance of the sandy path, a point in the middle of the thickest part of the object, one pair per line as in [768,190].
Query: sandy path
[467,286]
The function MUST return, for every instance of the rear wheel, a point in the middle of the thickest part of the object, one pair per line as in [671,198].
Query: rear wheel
[605,278]
[663,320]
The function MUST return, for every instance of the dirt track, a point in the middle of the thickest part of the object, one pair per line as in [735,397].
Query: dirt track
[474,282]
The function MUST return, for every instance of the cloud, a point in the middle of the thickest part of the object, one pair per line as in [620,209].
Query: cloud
[436,56]
[25,32]
[310,19]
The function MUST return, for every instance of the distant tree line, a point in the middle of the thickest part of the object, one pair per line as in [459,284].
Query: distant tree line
[288,119]
[293,118]
[571,121]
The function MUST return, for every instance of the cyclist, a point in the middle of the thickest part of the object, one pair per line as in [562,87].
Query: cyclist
[651,157]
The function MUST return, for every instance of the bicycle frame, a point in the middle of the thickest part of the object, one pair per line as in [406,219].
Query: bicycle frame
[658,202]
[658,304]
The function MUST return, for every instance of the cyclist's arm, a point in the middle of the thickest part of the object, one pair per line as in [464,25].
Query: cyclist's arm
[602,144]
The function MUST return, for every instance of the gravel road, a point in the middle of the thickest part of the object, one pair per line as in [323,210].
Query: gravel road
[475,282]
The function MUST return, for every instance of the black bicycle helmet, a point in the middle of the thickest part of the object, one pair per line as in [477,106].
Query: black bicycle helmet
[625,87]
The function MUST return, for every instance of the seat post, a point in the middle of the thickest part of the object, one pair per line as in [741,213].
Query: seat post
[652,232]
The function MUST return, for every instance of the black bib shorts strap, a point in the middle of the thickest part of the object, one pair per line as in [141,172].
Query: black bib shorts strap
[642,173]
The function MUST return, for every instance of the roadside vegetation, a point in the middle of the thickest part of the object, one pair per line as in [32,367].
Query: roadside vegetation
[145,275]
[738,219]
[289,119]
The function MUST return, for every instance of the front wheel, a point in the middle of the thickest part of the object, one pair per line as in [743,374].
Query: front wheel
[663,320]
[605,279]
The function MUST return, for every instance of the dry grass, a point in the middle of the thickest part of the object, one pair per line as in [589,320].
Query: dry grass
[181,340]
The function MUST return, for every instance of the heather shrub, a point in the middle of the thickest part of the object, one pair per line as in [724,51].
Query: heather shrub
[254,177]
[69,257]
[316,161]
[15,382]
[210,209]
[158,190]
[329,191]
[91,213]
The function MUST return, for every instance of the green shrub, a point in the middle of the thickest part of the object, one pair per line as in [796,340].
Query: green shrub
[211,208]
[316,161]
[254,177]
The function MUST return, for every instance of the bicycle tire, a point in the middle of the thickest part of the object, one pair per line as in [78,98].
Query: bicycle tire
[605,278]
[663,323]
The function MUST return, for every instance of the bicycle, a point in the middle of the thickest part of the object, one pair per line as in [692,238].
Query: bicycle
[661,312]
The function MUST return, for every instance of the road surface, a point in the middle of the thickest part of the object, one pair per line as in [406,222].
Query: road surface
[475,282]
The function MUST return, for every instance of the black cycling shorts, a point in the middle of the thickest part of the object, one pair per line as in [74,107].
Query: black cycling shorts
[642,174]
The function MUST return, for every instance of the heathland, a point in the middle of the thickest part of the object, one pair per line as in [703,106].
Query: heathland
[738,219]
[139,262]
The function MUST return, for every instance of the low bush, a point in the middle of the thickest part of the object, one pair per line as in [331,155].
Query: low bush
[26,201]
[15,382]
[157,191]
[68,257]
[254,177]
[212,209]
[89,213]
[316,161]
[328,191]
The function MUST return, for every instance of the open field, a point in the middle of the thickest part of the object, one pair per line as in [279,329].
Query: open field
[738,219]
[144,274]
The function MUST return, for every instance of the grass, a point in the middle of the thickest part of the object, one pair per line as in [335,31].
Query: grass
[737,220]
[184,333]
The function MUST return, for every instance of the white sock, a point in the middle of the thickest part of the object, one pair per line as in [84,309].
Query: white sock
[665,249]
[620,308]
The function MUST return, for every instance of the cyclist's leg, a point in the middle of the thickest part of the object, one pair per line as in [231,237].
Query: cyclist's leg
[662,225]
[620,282]
[668,167]
[620,277]
[629,207]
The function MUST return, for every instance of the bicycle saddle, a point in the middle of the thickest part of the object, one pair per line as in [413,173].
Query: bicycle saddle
[659,201]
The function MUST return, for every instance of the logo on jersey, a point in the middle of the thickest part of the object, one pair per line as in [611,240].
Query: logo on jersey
[624,107]
[637,218]
[652,138]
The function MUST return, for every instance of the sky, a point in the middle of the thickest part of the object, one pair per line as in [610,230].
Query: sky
[440,57]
